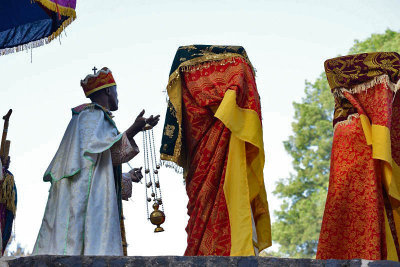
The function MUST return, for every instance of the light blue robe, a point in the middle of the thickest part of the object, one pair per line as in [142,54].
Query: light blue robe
[81,215]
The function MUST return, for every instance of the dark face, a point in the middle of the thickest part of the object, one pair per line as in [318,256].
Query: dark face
[113,98]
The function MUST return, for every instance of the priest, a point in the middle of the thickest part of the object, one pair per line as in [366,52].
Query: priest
[83,215]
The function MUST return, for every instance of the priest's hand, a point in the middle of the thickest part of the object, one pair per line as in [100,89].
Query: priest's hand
[152,121]
[140,124]
[136,174]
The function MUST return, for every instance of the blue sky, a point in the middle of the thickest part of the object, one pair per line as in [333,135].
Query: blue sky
[287,42]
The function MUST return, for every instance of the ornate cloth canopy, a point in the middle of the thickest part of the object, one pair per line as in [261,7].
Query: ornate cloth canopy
[26,24]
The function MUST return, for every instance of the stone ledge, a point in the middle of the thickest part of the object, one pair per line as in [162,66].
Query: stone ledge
[176,261]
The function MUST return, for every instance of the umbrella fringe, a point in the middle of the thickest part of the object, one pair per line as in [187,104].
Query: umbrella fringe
[38,43]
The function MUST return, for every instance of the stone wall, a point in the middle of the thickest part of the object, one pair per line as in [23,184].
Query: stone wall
[175,261]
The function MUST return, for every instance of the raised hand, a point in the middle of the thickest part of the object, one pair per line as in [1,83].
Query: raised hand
[152,121]
[141,123]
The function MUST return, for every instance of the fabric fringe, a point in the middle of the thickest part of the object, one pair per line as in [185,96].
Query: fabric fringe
[43,41]
[347,121]
[367,85]
[172,165]
[7,194]
[202,63]
[205,65]
[216,58]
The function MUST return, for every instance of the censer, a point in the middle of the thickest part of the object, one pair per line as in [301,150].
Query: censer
[152,181]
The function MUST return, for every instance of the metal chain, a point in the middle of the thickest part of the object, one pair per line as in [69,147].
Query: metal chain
[158,177]
[148,162]
[152,165]
[145,174]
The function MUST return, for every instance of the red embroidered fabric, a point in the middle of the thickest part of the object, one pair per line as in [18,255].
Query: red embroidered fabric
[353,225]
[207,142]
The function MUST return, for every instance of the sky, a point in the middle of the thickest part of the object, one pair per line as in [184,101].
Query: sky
[287,41]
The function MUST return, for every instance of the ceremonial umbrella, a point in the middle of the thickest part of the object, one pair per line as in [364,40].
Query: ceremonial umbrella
[26,24]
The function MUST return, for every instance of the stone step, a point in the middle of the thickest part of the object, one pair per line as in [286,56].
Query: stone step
[177,261]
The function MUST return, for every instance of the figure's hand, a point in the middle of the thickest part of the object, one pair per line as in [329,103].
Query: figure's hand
[152,121]
[141,123]
[136,174]
[137,126]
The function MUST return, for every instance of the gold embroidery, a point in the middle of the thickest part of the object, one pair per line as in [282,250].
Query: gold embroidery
[348,71]
[169,130]
[174,89]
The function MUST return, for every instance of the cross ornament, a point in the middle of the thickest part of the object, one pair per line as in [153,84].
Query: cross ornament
[94,70]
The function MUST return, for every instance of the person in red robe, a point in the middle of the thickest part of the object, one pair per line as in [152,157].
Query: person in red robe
[362,212]
[213,132]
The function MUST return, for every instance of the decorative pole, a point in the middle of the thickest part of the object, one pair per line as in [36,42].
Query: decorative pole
[5,144]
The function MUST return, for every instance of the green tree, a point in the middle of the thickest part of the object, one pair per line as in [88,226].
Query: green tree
[303,193]
[19,250]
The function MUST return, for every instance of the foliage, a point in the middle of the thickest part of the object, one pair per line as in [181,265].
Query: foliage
[19,250]
[303,193]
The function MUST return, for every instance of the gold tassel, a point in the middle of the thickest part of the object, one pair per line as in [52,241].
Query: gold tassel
[7,194]
[65,11]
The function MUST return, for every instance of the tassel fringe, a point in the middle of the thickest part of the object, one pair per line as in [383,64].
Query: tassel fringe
[7,194]
[205,65]
[367,85]
[347,121]
[172,165]
[34,44]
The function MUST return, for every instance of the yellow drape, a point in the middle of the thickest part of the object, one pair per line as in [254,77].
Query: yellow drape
[244,182]
[378,137]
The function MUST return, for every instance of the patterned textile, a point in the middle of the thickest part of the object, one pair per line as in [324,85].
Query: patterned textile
[27,24]
[351,70]
[196,89]
[91,106]
[8,205]
[186,57]
[123,150]
[361,218]
[93,83]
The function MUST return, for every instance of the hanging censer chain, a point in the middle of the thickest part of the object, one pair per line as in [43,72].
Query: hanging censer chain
[157,184]
[146,173]
[152,180]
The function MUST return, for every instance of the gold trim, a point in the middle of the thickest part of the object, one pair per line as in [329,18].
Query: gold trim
[65,11]
[384,78]
[174,90]
[203,59]
[99,88]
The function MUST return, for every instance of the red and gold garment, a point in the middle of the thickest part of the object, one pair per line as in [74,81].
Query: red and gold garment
[224,156]
[362,212]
